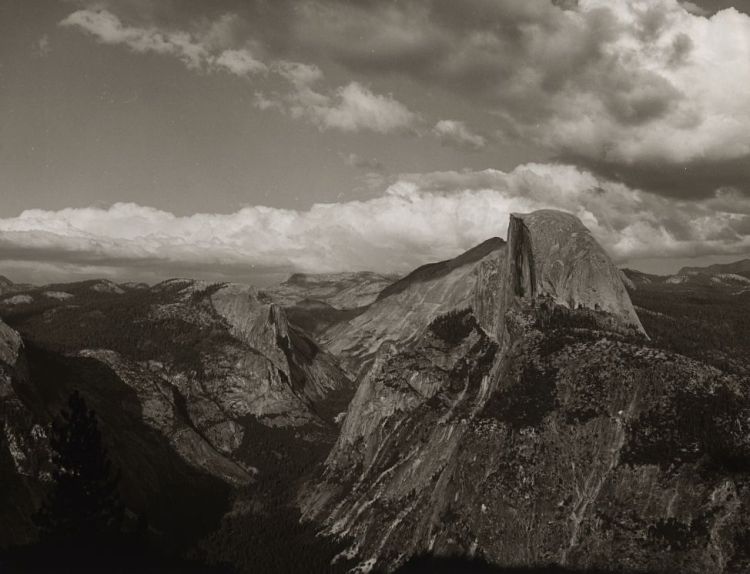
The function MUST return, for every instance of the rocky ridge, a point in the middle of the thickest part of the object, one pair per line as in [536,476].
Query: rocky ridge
[404,309]
[555,434]
[191,380]
[340,290]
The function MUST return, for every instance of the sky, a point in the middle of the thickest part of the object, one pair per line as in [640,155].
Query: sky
[248,139]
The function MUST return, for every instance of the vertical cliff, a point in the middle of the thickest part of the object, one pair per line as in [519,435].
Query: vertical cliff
[551,253]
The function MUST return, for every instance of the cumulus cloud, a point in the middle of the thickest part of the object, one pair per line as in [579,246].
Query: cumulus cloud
[670,90]
[628,82]
[351,108]
[419,218]
[453,132]
[650,92]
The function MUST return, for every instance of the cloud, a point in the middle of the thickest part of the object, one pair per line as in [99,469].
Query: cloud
[419,218]
[351,108]
[359,162]
[42,46]
[455,133]
[200,50]
[108,29]
[239,62]
[640,91]
[298,74]
[625,83]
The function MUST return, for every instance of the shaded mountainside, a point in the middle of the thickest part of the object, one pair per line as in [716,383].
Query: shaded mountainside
[574,446]
[316,317]
[734,277]
[557,435]
[201,389]
[20,437]
[707,320]
[7,286]
[741,268]
[226,343]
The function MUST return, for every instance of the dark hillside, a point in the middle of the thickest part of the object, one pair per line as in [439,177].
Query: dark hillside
[710,324]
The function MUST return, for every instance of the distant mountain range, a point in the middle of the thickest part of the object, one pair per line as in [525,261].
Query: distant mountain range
[729,275]
[524,404]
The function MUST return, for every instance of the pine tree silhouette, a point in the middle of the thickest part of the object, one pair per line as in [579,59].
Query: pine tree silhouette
[83,514]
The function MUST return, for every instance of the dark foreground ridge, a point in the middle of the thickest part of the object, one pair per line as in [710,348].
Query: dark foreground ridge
[428,564]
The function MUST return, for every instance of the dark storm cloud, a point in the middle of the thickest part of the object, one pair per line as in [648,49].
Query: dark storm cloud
[690,180]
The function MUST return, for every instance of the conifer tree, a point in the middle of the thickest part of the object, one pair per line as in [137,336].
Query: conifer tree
[83,507]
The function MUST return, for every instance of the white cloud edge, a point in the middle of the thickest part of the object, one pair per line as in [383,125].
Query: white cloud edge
[418,219]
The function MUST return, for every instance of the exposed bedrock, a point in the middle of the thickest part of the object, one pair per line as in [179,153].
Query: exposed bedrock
[538,426]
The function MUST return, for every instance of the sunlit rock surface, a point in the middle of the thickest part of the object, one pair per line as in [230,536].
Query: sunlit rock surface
[552,253]
[340,290]
[406,307]
[553,434]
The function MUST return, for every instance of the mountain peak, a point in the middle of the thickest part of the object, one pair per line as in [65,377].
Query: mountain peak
[551,253]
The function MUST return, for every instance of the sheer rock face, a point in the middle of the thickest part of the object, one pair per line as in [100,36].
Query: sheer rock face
[552,253]
[543,429]
[548,253]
